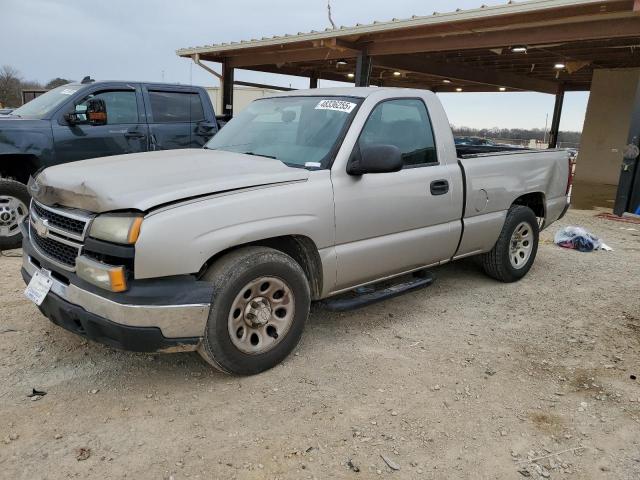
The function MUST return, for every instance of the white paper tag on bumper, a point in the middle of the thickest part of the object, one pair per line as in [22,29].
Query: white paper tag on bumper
[38,288]
[338,105]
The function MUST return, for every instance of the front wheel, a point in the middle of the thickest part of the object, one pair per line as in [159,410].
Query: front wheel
[260,305]
[14,207]
[515,251]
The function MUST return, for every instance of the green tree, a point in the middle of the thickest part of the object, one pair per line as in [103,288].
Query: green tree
[56,82]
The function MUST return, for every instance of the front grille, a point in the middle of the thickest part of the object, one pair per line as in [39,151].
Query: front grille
[58,234]
[63,222]
[58,251]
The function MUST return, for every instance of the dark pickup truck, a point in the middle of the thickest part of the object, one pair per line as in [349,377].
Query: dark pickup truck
[95,119]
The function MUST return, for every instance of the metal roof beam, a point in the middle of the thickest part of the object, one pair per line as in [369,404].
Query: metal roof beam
[337,44]
[621,27]
[293,56]
[468,74]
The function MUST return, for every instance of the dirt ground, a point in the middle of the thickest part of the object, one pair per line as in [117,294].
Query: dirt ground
[466,379]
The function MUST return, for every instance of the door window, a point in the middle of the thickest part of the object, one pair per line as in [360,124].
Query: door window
[404,123]
[121,105]
[175,107]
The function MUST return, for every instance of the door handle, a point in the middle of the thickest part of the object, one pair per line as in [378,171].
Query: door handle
[134,134]
[439,187]
[205,128]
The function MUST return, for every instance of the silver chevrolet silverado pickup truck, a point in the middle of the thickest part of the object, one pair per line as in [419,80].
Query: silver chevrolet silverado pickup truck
[303,196]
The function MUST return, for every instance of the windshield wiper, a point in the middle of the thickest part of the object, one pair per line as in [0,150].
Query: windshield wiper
[260,155]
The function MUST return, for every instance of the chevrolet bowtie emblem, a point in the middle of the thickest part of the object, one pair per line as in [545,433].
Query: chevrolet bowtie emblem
[41,226]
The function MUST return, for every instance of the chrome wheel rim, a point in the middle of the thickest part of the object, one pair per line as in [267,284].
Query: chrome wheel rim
[521,245]
[261,315]
[12,212]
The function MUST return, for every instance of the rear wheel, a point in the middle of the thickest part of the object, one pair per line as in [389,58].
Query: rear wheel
[515,251]
[260,304]
[14,207]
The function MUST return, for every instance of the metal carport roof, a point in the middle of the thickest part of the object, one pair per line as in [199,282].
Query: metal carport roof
[472,50]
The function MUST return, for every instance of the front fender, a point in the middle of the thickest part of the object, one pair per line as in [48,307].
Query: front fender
[181,239]
[35,143]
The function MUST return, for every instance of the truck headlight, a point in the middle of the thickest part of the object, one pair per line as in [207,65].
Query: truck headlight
[116,228]
[109,277]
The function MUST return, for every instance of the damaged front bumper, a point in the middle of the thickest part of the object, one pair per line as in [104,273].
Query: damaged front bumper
[158,315]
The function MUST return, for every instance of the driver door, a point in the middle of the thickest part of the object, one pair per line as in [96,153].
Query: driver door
[390,223]
[125,130]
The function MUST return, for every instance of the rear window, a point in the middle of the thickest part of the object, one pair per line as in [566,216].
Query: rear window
[175,107]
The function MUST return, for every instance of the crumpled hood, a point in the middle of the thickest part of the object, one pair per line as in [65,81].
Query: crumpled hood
[145,180]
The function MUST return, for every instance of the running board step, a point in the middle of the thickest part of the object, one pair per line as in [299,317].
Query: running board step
[365,296]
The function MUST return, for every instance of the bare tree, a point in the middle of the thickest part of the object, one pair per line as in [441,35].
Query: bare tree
[30,85]
[10,87]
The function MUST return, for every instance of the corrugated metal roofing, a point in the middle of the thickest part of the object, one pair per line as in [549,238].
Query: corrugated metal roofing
[435,18]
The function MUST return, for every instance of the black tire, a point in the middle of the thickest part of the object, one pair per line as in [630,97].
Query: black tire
[229,276]
[497,263]
[10,188]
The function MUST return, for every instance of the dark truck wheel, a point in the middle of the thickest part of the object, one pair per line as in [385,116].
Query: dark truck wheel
[516,248]
[14,207]
[260,304]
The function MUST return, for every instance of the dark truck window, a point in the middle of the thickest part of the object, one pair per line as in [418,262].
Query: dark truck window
[175,107]
[404,123]
[121,105]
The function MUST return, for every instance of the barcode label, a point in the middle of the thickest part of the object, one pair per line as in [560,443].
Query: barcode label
[338,105]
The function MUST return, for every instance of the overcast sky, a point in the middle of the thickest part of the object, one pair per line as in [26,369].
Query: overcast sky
[137,40]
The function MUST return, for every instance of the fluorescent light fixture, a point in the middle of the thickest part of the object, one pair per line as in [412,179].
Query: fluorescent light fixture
[559,66]
[396,74]
[350,75]
[341,62]
[446,80]
[458,89]
[502,89]
[519,49]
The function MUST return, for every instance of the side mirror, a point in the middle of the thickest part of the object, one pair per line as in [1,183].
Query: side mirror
[78,116]
[375,159]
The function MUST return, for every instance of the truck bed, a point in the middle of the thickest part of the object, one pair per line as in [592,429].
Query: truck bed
[493,181]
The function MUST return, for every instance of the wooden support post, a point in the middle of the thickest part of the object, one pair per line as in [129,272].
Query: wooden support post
[557,114]
[363,69]
[227,90]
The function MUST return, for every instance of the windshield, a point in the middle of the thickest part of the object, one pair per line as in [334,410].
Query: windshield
[45,103]
[299,131]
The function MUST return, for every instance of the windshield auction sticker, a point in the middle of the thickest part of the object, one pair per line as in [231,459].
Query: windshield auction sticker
[338,105]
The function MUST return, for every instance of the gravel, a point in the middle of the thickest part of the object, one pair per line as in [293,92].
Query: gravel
[468,378]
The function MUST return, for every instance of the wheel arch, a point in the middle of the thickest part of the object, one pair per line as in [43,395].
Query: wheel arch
[299,247]
[19,166]
[536,202]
